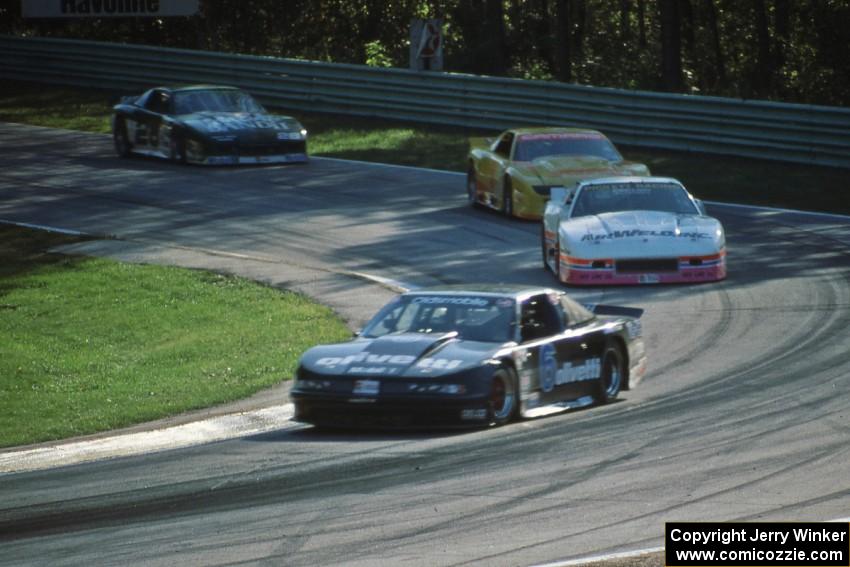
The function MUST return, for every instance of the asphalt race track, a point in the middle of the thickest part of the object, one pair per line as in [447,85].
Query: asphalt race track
[744,415]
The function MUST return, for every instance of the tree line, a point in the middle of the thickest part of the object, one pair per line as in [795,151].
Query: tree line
[784,50]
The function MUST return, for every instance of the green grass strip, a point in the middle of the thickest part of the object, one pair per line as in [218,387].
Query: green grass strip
[88,345]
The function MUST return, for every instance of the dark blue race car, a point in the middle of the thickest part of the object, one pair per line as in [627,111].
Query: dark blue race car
[203,124]
[471,357]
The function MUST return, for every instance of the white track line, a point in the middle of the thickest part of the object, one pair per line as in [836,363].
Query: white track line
[599,558]
[395,285]
[219,428]
[45,228]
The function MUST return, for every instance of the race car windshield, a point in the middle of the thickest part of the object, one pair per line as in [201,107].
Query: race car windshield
[614,198]
[485,319]
[531,147]
[215,100]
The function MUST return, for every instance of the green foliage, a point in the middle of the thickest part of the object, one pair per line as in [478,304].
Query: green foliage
[377,56]
[801,57]
[533,70]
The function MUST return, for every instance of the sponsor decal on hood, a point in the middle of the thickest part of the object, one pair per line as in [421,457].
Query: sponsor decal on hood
[634,233]
[641,225]
[232,122]
[572,165]
[408,354]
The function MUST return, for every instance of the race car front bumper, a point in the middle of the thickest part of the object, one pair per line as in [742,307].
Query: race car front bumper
[234,152]
[356,412]
[576,271]
[258,159]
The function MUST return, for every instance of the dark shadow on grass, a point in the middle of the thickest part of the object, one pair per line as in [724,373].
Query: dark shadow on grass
[25,251]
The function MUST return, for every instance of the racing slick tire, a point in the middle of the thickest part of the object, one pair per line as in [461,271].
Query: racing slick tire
[504,395]
[471,187]
[123,147]
[612,375]
[508,198]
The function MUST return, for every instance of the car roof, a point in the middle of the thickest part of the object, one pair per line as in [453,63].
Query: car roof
[185,88]
[514,291]
[554,130]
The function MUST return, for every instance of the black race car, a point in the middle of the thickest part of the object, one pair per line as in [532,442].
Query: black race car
[204,124]
[473,356]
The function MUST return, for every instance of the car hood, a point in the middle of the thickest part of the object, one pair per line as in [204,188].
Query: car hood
[399,355]
[236,123]
[641,234]
[567,170]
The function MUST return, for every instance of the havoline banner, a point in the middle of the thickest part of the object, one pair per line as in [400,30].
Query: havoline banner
[107,8]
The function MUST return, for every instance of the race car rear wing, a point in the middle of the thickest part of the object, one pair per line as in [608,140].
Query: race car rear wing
[616,310]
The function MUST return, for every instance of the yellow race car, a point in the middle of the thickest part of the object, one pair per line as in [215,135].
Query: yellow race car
[515,172]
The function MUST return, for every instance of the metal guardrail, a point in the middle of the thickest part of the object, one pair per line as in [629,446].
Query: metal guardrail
[776,131]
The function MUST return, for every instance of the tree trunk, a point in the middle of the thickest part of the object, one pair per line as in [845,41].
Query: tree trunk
[671,46]
[783,28]
[641,9]
[494,23]
[764,64]
[579,15]
[625,23]
[717,45]
[563,61]
[686,14]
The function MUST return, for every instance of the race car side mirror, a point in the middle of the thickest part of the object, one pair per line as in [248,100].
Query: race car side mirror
[560,195]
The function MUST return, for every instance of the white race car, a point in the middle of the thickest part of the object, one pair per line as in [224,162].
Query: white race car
[631,230]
